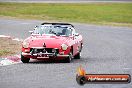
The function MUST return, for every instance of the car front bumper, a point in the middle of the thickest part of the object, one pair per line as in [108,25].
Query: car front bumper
[42,55]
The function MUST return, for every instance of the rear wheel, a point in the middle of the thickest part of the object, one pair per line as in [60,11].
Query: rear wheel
[24,59]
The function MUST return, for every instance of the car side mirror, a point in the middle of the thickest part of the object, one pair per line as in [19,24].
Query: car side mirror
[76,34]
[30,32]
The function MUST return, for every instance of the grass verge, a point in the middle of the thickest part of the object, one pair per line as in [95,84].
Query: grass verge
[9,47]
[95,13]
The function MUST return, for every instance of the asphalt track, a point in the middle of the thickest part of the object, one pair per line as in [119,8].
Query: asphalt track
[106,50]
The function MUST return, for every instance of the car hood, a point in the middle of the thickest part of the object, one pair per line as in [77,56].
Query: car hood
[50,41]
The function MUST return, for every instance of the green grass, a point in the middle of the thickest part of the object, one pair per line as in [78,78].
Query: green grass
[4,52]
[98,13]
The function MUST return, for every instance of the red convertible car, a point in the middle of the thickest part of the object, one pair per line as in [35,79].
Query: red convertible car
[52,41]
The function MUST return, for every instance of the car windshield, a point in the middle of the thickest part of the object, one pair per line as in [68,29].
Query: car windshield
[51,29]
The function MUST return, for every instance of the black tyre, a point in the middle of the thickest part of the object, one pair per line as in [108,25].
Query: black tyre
[24,59]
[69,58]
[78,56]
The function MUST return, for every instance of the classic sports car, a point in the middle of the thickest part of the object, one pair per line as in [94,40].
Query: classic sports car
[52,41]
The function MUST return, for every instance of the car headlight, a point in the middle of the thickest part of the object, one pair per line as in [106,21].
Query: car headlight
[25,44]
[64,47]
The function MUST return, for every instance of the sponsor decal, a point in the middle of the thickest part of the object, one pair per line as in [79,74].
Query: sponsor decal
[83,78]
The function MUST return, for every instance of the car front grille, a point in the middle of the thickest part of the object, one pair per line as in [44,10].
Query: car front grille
[45,50]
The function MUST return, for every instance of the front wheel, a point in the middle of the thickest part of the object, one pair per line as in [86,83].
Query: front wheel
[24,59]
[69,58]
[78,56]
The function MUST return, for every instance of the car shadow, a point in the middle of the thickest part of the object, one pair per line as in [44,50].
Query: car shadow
[82,60]
[46,62]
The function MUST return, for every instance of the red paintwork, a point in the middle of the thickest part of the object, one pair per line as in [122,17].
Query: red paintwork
[54,42]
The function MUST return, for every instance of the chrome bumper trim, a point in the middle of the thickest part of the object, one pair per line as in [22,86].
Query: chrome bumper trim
[50,54]
[62,55]
[42,57]
[25,53]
